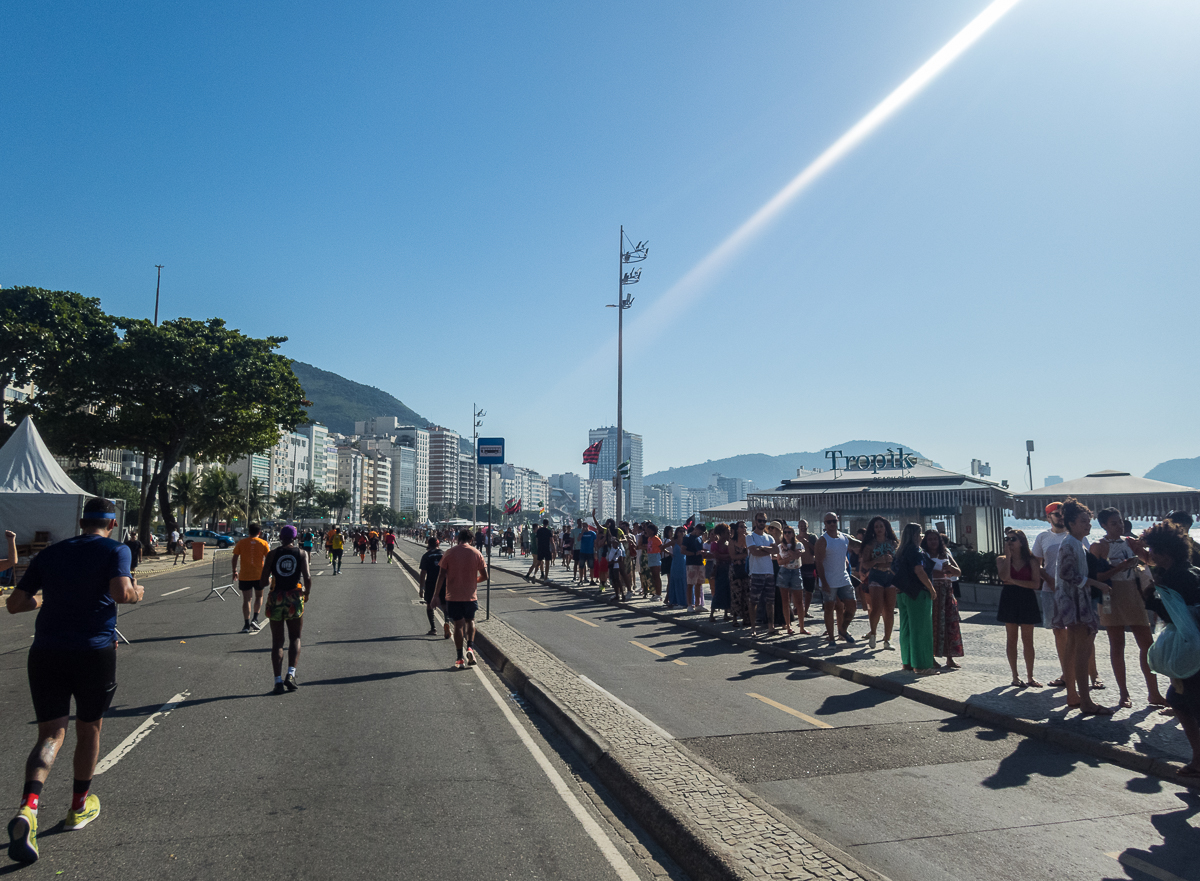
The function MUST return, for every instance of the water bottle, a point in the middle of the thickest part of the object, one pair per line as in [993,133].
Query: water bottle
[1107,604]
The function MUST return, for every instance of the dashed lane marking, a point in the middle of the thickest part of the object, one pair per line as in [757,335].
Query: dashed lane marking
[615,859]
[657,652]
[139,734]
[582,620]
[809,719]
[1143,867]
[181,590]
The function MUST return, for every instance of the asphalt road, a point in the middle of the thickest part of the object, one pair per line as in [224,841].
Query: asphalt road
[386,763]
[916,793]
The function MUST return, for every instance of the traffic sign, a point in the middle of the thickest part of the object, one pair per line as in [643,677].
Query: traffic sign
[491,451]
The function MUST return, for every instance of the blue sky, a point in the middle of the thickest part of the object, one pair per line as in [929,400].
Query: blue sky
[426,198]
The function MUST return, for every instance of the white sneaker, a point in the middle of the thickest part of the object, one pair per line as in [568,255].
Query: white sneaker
[871,640]
[691,608]
[887,646]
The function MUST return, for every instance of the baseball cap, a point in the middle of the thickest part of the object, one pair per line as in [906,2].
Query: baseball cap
[1052,507]
[288,532]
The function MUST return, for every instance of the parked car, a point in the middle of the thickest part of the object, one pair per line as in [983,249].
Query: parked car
[208,537]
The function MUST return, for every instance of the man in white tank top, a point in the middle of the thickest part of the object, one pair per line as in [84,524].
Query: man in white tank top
[834,590]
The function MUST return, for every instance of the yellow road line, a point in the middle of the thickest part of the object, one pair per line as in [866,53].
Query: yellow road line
[540,603]
[809,719]
[577,618]
[1144,867]
[657,652]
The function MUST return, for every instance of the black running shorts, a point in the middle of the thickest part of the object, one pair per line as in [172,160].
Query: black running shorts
[247,586]
[88,675]
[458,611]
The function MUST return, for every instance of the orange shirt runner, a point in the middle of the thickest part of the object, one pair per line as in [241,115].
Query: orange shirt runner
[252,551]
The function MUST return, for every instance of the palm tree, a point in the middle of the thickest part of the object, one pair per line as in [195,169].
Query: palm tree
[219,496]
[324,501]
[185,490]
[286,502]
[306,491]
[257,499]
[341,498]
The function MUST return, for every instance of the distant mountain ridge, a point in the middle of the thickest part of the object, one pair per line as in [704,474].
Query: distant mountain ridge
[767,472]
[1182,471]
[337,402]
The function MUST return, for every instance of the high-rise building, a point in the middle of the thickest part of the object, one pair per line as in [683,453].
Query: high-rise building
[350,477]
[418,440]
[377,479]
[607,464]
[443,467]
[736,488]
[323,456]
[578,488]
[604,499]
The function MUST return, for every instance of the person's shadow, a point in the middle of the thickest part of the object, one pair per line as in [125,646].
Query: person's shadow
[1033,757]
[1179,849]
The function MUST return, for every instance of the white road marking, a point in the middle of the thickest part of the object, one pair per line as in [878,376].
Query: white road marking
[181,590]
[622,868]
[1144,867]
[139,734]
[662,732]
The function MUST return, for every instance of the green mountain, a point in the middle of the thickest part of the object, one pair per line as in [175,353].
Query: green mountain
[338,402]
[1185,472]
[767,472]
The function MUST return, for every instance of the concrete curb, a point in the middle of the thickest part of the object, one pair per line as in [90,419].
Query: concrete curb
[1123,756]
[686,843]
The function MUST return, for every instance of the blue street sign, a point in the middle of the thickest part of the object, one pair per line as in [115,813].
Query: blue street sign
[491,451]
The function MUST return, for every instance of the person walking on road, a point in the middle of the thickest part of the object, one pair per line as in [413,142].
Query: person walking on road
[250,553]
[74,655]
[373,542]
[337,546]
[461,569]
[389,544]
[544,539]
[429,569]
[288,566]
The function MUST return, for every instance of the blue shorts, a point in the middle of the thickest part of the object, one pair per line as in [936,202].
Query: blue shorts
[833,594]
[788,579]
[654,560]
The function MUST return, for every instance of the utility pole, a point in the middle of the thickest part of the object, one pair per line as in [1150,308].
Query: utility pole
[476,422]
[146,456]
[636,254]
[157,285]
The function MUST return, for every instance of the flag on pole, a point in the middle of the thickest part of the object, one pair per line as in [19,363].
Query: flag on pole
[592,454]
[623,468]
[512,506]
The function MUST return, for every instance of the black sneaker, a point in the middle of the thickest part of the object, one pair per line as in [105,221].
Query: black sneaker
[431,632]
[279,689]
[848,638]
[255,625]
[245,629]
[289,682]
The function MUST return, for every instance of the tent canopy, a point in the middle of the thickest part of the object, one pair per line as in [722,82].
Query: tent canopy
[26,466]
[1133,496]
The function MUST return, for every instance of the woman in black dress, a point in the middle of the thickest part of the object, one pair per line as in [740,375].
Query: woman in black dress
[1019,607]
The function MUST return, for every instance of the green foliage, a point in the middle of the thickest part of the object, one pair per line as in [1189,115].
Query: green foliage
[220,496]
[185,490]
[977,567]
[109,486]
[380,515]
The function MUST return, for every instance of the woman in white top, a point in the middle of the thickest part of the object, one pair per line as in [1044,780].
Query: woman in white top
[788,581]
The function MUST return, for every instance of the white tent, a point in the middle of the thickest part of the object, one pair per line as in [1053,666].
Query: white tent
[35,493]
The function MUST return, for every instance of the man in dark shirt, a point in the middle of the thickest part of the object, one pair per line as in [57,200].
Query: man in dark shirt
[545,548]
[431,562]
[81,581]
[135,550]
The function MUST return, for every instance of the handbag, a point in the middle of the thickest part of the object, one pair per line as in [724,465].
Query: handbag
[1176,650]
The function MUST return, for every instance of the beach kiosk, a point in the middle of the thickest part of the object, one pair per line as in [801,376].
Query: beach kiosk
[1137,498]
[968,509]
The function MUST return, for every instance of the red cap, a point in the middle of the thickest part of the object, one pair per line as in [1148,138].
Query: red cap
[1052,507]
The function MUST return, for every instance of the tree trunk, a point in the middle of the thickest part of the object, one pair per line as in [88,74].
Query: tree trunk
[164,502]
[165,464]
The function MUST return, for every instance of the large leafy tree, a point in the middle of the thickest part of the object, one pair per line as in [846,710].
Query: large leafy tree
[200,389]
[183,388]
[185,490]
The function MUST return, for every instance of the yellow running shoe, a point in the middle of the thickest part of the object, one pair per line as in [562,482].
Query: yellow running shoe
[22,837]
[79,819]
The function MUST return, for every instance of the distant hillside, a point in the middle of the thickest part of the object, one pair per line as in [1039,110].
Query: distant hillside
[1182,471]
[766,471]
[339,402]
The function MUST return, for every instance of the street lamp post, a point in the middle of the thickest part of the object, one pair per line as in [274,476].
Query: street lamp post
[476,422]
[635,254]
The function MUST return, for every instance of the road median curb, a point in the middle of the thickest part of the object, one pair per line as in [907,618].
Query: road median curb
[697,851]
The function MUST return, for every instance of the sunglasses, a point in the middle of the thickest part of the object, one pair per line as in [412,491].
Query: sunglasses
[1012,541]
[827,522]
